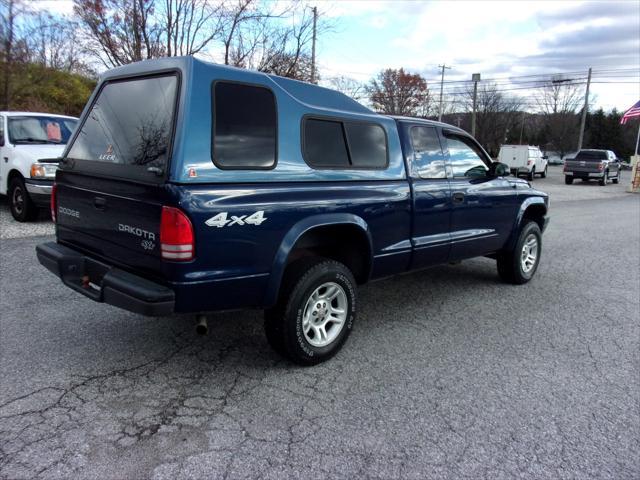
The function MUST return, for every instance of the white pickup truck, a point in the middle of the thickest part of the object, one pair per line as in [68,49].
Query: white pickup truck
[30,144]
[524,159]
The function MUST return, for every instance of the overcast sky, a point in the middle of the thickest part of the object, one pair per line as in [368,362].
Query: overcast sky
[497,39]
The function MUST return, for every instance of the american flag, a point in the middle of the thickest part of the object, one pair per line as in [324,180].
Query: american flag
[631,113]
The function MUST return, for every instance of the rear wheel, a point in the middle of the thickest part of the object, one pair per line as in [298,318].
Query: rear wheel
[568,179]
[605,179]
[22,208]
[315,312]
[617,179]
[531,174]
[518,265]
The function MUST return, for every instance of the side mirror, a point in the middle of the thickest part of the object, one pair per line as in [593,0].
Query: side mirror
[497,169]
[545,157]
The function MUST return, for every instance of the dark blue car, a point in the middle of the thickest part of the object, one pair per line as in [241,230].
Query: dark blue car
[193,187]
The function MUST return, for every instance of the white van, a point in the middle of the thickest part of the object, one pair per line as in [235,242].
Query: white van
[30,144]
[524,159]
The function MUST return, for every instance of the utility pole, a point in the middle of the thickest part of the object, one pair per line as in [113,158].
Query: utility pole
[522,128]
[475,78]
[584,110]
[441,85]
[313,46]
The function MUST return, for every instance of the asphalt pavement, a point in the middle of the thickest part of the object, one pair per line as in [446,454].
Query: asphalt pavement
[448,372]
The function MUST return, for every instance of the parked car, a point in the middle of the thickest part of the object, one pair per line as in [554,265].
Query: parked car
[30,144]
[191,187]
[524,159]
[590,164]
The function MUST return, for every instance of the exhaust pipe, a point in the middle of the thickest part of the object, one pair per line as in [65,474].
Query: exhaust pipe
[202,328]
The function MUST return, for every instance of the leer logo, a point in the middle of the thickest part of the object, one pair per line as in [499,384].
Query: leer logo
[108,156]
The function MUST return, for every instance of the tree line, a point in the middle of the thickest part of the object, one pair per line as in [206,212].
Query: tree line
[272,37]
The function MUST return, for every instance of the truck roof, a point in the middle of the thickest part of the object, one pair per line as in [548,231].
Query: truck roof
[432,123]
[306,93]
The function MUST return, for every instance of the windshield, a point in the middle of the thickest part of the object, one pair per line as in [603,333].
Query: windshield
[127,132]
[40,130]
[591,155]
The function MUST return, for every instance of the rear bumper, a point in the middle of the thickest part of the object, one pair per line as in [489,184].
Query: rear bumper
[104,283]
[39,191]
[575,174]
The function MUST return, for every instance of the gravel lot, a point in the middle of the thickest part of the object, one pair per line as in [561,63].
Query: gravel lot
[448,372]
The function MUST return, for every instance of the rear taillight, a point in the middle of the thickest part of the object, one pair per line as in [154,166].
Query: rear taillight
[601,166]
[53,202]
[177,241]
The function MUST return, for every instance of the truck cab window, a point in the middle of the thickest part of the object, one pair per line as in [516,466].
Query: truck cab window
[465,160]
[428,159]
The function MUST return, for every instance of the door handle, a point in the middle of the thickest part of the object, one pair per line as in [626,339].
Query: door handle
[100,203]
[457,197]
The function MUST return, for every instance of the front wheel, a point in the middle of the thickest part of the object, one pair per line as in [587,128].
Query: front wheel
[518,266]
[21,206]
[315,312]
[544,172]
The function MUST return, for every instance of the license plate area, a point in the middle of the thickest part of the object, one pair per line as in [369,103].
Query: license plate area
[84,275]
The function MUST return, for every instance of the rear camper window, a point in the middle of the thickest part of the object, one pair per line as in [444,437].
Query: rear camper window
[244,125]
[324,144]
[127,132]
[336,144]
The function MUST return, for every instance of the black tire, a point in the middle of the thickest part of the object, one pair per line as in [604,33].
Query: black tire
[284,322]
[22,207]
[509,262]
[617,179]
[568,179]
[604,180]
[531,174]
[544,172]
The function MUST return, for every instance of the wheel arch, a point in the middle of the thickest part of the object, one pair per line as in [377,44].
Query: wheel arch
[13,173]
[533,208]
[341,236]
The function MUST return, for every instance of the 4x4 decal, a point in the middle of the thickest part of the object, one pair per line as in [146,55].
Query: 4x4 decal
[222,220]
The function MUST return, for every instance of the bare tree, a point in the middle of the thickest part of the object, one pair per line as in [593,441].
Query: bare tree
[559,95]
[242,17]
[10,12]
[283,47]
[349,86]
[276,42]
[397,92]
[120,31]
[53,43]
[558,101]
[497,114]
[190,25]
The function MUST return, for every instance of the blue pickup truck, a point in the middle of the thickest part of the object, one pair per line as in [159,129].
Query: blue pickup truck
[193,187]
